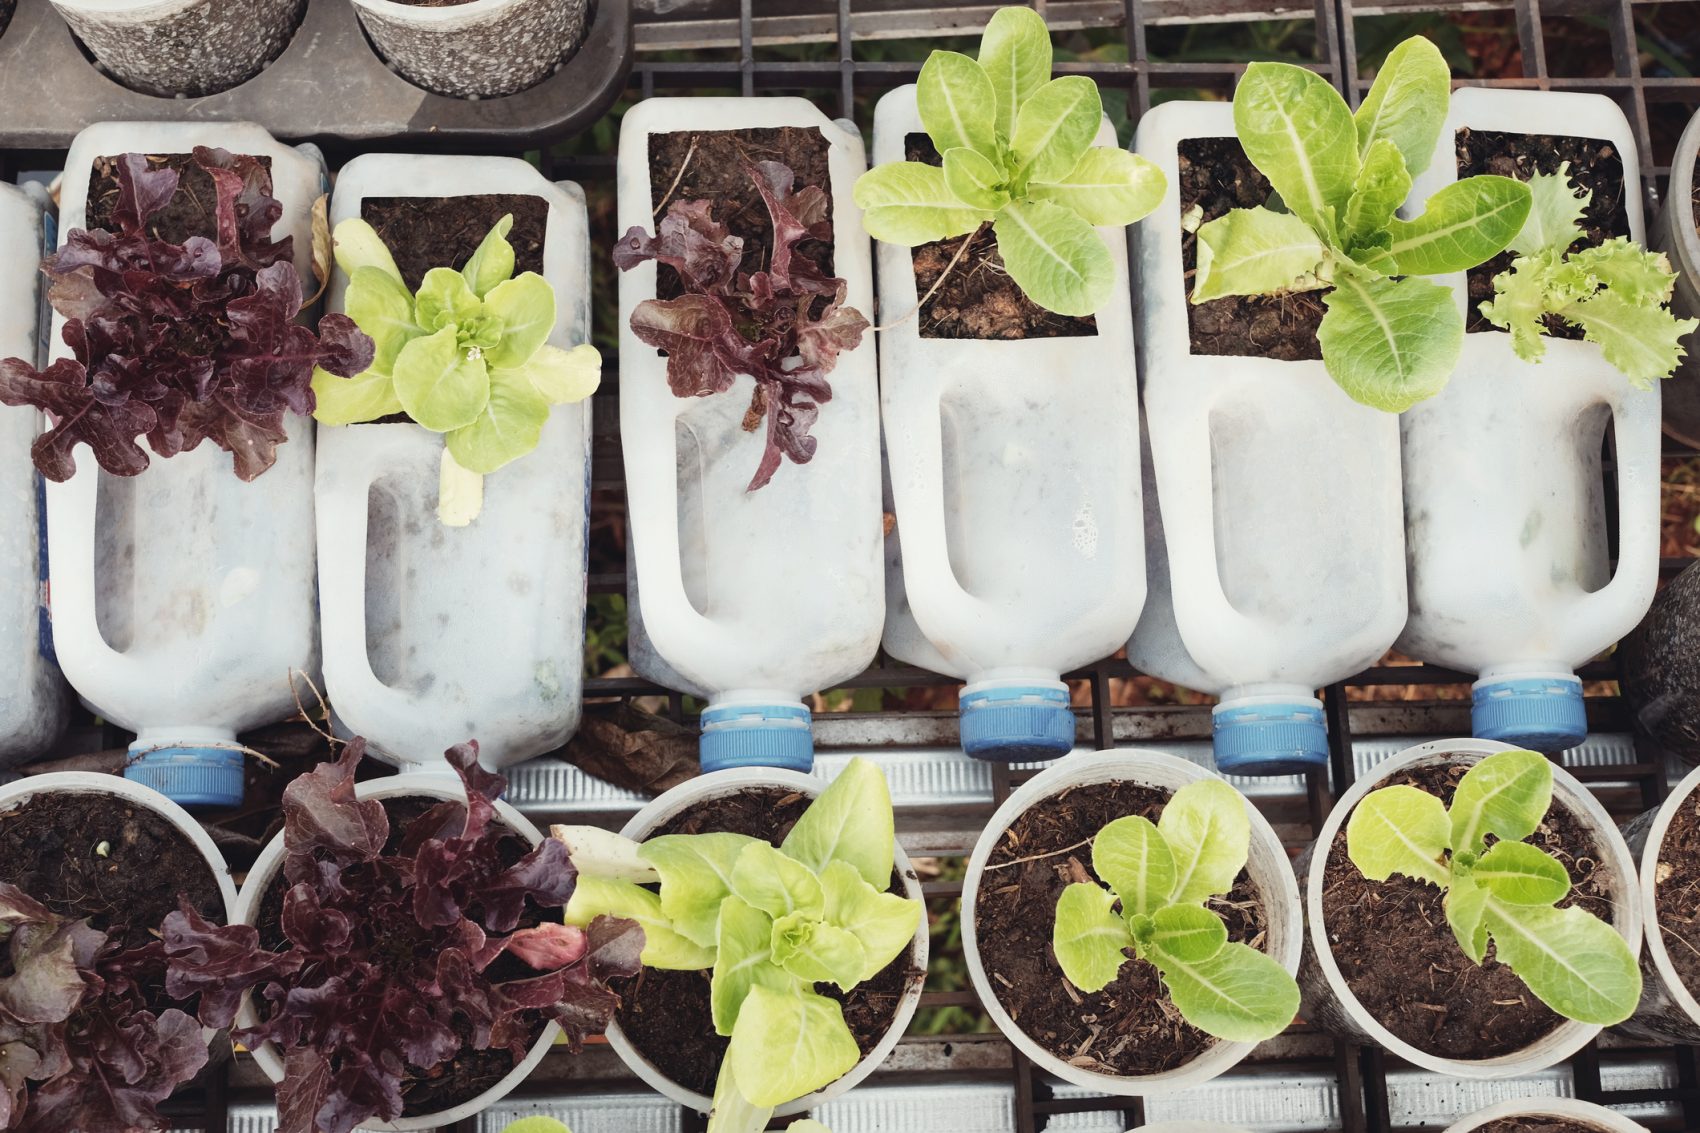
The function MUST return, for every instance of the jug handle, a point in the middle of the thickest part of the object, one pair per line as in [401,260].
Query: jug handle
[342,532]
[1185,487]
[71,518]
[687,639]
[1635,428]
[936,597]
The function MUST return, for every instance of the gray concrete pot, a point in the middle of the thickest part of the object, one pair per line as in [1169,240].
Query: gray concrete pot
[1677,234]
[479,49]
[187,47]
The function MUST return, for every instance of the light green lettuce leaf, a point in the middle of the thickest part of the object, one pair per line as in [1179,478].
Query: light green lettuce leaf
[441,385]
[562,376]
[356,244]
[1238,994]
[1131,857]
[1296,129]
[696,875]
[1390,343]
[1640,339]
[768,880]
[974,179]
[1108,187]
[1520,304]
[344,401]
[508,427]
[1517,873]
[1015,53]
[663,947]
[1555,214]
[1206,828]
[1055,257]
[1088,937]
[1627,270]
[493,260]
[1465,224]
[1055,128]
[460,492]
[382,308]
[787,1045]
[817,952]
[1399,829]
[1382,186]
[908,203]
[885,923]
[1574,962]
[1466,914]
[525,305]
[444,301]
[743,961]
[1188,933]
[957,104]
[1506,795]
[850,822]
[1407,103]
[1256,252]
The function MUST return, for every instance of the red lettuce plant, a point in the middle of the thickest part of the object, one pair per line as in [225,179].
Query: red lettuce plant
[388,970]
[80,1051]
[783,326]
[179,342]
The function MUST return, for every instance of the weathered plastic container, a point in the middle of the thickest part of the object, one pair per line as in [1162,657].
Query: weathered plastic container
[478,48]
[182,47]
[1676,233]
[1014,469]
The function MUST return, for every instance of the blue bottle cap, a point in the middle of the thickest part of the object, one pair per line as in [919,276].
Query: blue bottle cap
[1016,723]
[756,735]
[189,775]
[1285,738]
[1544,714]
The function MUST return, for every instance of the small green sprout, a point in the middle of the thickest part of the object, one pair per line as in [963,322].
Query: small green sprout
[1161,875]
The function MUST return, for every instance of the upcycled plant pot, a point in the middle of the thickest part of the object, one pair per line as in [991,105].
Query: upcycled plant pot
[32,697]
[1010,465]
[1677,234]
[1659,671]
[1329,1002]
[265,870]
[435,633]
[1509,559]
[476,49]
[1594,1117]
[1247,600]
[1669,1011]
[183,598]
[705,789]
[183,47]
[749,599]
[1266,864]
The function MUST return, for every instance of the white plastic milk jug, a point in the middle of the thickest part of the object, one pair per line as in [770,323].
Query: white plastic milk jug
[749,599]
[1504,499]
[1014,471]
[433,634]
[1276,549]
[183,597]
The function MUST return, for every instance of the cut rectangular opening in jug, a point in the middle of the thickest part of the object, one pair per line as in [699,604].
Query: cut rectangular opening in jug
[433,232]
[193,207]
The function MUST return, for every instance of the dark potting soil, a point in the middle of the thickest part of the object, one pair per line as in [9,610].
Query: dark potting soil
[978,299]
[52,848]
[1537,1123]
[1129,1027]
[1399,957]
[190,213]
[1216,176]
[713,165]
[1677,892]
[1594,165]
[667,1015]
[442,232]
[470,1072]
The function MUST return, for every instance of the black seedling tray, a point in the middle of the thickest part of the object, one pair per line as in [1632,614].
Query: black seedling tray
[329,84]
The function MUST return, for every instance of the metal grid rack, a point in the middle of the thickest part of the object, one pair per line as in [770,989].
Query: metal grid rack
[1365,1083]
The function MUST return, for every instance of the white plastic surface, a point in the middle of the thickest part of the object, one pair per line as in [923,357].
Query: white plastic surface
[1607,1121]
[718,784]
[1267,865]
[1330,1004]
[1276,547]
[1669,1012]
[183,597]
[265,869]
[780,591]
[32,693]
[1014,468]
[1505,503]
[434,635]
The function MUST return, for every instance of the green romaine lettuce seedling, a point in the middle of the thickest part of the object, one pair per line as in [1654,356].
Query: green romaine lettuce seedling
[1572,961]
[1390,338]
[772,923]
[1018,155]
[1161,874]
[1618,293]
[468,356]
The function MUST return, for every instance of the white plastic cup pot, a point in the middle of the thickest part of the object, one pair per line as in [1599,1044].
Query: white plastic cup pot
[749,599]
[719,784]
[1669,1011]
[183,47]
[265,870]
[1267,865]
[1329,1002]
[183,598]
[1587,1113]
[1676,234]
[1276,543]
[33,698]
[478,49]
[432,634]
[1014,471]
[1510,564]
